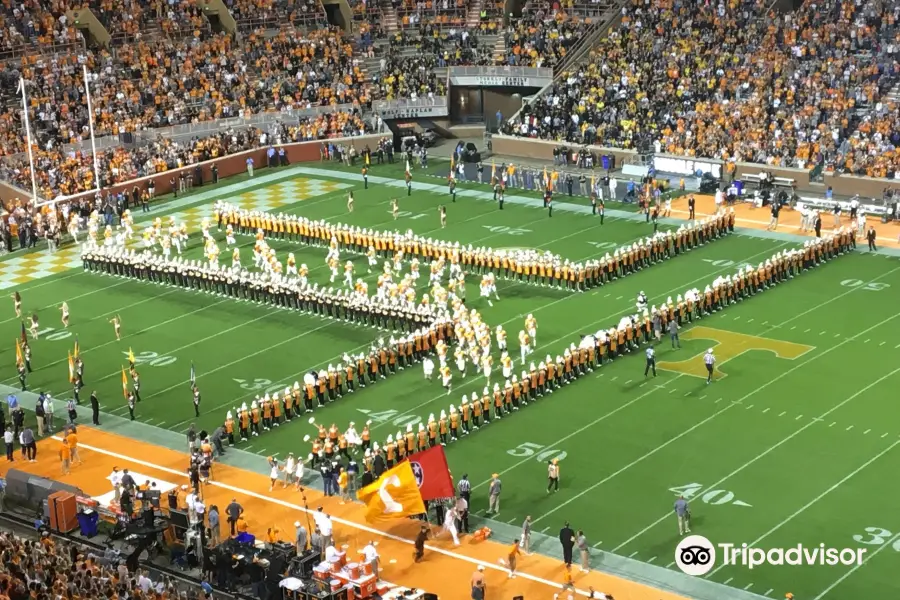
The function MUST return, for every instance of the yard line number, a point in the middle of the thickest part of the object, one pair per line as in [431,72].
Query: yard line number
[261,385]
[389,417]
[713,497]
[872,286]
[505,229]
[876,536]
[153,359]
[539,451]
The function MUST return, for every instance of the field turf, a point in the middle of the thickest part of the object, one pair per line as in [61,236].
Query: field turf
[795,442]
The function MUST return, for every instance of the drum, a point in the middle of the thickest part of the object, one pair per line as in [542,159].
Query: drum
[367,569]
[354,570]
[335,585]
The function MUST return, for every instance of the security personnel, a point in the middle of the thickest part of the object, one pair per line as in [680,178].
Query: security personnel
[651,361]
[692,204]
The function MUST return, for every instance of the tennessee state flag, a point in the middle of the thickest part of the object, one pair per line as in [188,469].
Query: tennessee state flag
[432,474]
[394,496]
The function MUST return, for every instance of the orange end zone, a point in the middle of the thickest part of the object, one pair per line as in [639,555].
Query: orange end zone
[445,570]
[788,220]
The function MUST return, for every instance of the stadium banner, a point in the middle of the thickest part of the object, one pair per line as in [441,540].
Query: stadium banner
[686,166]
[432,474]
[533,77]
[394,496]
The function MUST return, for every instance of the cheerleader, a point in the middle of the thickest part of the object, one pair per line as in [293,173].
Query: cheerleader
[442,211]
[34,326]
[348,274]
[350,202]
[65,313]
[524,345]
[273,473]
[395,208]
[117,326]
[17,303]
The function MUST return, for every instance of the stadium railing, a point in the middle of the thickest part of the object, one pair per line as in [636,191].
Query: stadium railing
[11,54]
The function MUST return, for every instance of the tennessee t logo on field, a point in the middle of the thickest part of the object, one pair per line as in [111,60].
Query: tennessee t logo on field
[728,345]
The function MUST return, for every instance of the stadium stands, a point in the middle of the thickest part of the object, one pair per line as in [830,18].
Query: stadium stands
[442,13]
[739,83]
[43,568]
[543,39]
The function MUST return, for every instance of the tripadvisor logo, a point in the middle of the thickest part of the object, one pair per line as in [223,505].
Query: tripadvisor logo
[695,555]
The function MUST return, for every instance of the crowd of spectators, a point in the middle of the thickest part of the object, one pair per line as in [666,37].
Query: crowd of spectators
[29,23]
[165,82]
[732,80]
[44,569]
[441,13]
[452,47]
[407,77]
[255,12]
[66,173]
[542,39]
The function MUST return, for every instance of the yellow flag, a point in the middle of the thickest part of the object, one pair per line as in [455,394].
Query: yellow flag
[451,164]
[593,184]
[124,383]
[130,356]
[71,368]
[493,170]
[394,496]
[20,360]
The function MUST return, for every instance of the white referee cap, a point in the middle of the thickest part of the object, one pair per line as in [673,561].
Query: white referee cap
[709,350]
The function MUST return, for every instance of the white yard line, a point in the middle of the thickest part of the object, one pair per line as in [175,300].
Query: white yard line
[803,508]
[760,456]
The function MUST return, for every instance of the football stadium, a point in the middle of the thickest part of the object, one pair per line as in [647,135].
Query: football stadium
[469,299]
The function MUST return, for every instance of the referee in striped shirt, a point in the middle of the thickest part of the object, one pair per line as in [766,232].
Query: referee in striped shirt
[651,361]
[710,361]
[464,488]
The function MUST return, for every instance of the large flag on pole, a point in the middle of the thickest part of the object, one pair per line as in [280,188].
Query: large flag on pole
[394,496]
[193,374]
[130,357]
[124,383]
[20,360]
[24,338]
[493,171]
[432,474]
[75,352]
[71,368]
[408,171]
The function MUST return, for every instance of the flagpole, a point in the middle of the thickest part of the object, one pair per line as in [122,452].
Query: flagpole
[87,91]
[34,197]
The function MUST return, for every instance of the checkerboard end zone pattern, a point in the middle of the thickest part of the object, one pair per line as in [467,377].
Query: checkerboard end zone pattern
[25,268]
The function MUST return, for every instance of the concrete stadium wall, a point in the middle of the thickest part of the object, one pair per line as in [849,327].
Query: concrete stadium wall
[843,185]
[228,165]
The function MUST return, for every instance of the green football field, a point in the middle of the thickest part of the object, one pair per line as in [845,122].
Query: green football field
[795,442]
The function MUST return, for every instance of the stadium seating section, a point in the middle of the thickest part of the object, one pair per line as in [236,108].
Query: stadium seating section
[733,80]
[726,79]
